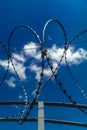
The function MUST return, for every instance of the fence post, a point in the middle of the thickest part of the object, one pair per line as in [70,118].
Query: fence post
[40,115]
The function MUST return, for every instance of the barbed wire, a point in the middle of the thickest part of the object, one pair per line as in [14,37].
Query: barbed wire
[55,74]
[69,70]
[29,106]
[7,68]
[44,57]
[65,44]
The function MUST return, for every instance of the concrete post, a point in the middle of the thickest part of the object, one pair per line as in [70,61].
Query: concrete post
[40,116]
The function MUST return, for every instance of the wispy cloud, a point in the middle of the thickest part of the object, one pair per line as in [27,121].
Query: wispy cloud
[36,69]
[4,63]
[18,57]
[18,61]
[76,56]
[31,49]
[73,56]
[11,82]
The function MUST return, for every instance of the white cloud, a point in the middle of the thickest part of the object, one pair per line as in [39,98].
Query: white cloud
[55,53]
[11,82]
[74,57]
[20,68]
[35,69]
[4,63]
[31,49]
[18,57]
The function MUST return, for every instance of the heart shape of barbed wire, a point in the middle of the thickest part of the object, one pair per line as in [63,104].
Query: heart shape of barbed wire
[44,56]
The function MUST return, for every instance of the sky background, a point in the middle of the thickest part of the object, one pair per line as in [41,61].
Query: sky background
[26,58]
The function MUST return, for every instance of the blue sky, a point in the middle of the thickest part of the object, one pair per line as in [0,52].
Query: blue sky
[26,57]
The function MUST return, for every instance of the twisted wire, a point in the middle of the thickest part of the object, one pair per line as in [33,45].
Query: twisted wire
[10,58]
[65,44]
[28,107]
[43,54]
[7,68]
[61,87]
[70,72]
[31,104]
[25,113]
[54,74]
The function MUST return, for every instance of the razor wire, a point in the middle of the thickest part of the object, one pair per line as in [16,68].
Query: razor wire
[69,70]
[44,53]
[54,74]
[7,67]
[28,107]
[39,82]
